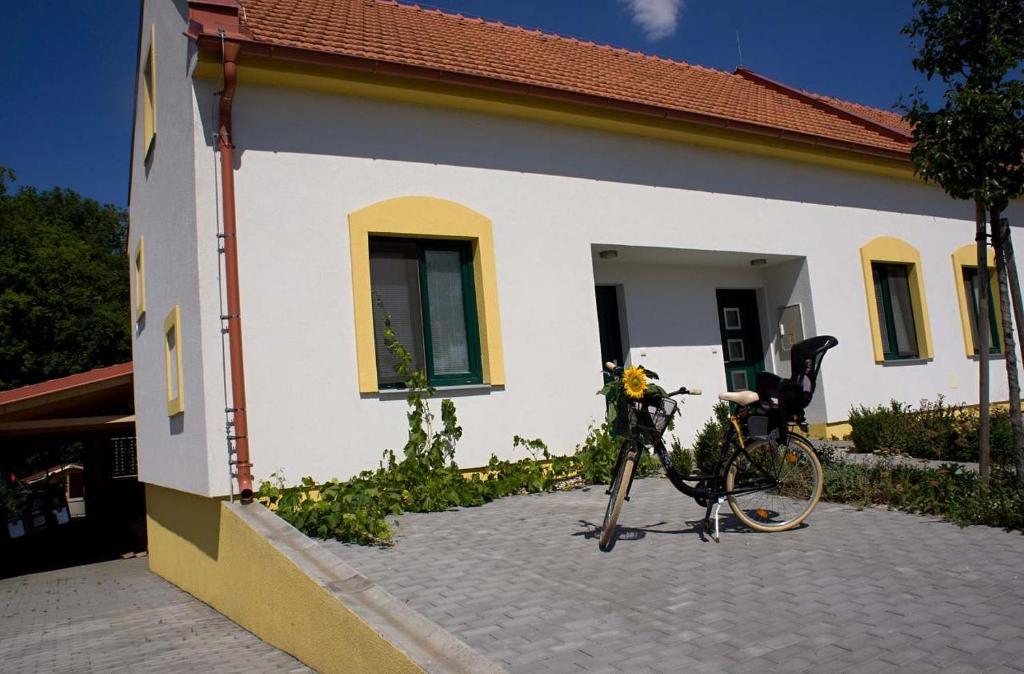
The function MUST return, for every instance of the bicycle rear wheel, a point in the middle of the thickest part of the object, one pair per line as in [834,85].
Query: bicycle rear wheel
[617,495]
[774,486]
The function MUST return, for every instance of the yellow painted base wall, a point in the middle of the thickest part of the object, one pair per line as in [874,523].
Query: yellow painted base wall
[203,547]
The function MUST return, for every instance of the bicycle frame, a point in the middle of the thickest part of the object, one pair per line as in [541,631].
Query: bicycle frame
[716,491]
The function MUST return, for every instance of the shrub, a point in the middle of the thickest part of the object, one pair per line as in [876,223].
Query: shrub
[707,446]
[682,458]
[949,491]
[934,430]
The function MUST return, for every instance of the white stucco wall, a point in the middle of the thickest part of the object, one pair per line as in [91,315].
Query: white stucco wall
[306,160]
[173,451]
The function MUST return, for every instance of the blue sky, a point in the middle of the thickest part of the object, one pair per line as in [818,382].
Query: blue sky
[68,80]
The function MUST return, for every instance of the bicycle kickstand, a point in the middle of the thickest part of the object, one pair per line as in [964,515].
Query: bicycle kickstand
[712,512]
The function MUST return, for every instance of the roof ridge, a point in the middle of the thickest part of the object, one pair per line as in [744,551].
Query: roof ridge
[443,11]
[822,100]
[828,98]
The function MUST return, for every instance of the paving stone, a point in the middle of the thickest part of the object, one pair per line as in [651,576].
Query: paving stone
[119,617]
[522,581]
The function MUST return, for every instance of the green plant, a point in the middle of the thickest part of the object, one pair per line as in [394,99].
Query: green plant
[707,446]
[425,477]
[949,491]
[596,456]
[681,457]
[934,430]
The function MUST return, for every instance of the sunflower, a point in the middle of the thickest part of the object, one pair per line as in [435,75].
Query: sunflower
[634,381]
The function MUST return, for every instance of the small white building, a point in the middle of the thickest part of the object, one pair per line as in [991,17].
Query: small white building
[525,206]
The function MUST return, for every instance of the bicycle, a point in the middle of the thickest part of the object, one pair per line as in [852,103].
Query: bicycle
[770,475]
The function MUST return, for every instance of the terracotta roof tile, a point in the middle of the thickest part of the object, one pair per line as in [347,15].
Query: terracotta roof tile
[397,33]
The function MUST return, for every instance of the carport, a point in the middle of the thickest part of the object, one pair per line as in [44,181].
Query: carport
[74,435]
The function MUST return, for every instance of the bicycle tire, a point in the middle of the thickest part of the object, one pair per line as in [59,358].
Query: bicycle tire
[799,480]
[620,485]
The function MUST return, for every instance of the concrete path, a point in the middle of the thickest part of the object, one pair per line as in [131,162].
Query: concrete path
[522,581]
[119,617]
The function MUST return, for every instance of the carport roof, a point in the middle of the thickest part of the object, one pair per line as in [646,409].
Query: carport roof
[101,394]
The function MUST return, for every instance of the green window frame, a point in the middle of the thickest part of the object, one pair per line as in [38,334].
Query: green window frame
[441,326]
[970,280]
[895,311]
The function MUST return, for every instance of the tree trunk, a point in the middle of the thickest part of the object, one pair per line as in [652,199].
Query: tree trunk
[1008,277]
[983,343]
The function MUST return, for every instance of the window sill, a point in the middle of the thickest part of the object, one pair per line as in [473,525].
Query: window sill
[904,361]
[457,390]
[995,355]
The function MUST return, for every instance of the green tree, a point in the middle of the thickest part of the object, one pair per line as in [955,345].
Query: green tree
[972,145]
[64,304]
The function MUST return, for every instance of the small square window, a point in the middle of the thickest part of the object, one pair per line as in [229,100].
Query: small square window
[736,351]
[172,362]
[739,380]
[149,96]
[139,263]
[731,316]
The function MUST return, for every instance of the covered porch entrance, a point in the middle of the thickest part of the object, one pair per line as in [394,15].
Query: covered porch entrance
[707,319]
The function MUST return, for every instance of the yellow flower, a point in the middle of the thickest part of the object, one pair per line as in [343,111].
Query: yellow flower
[634,380]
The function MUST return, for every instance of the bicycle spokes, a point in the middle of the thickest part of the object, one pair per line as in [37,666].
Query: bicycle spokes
[773,483]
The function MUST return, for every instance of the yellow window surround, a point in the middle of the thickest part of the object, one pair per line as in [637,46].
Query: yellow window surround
[140,279]
[173,371]
[897,251]
[424,217]
[149,96]
[966,257]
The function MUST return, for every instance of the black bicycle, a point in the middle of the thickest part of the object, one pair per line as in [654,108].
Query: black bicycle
[768,472]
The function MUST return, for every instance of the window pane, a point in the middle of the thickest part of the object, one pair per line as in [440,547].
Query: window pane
[881,297]
[903,312]
[973,291]
[449,348]
[394,281]
[973,301]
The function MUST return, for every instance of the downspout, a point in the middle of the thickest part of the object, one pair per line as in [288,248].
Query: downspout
[243,466]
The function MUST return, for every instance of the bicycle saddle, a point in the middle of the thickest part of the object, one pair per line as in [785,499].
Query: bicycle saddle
[741,398]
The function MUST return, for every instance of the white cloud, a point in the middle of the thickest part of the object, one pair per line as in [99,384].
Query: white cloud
[657,18]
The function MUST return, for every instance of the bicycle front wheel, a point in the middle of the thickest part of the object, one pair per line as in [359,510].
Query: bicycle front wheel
[774,486]
[617,495]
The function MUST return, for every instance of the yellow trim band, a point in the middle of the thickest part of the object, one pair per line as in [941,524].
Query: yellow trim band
[175,403]
[337,81]
[891,249]
[431,218]
[966,256]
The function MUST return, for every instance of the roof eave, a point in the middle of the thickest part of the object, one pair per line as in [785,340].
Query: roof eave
[211,43]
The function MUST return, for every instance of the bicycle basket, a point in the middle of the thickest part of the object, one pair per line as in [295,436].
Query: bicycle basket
[651,416]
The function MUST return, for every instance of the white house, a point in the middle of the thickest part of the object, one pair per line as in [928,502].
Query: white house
[525,206]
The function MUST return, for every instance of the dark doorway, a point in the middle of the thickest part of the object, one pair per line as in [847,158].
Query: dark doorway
[608,324]
[741,338]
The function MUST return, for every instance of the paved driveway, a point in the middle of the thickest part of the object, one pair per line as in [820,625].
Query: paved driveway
[119,617]
[522,581]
